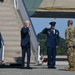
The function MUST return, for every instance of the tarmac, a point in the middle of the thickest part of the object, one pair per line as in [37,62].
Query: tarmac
[61,69]
[15,69]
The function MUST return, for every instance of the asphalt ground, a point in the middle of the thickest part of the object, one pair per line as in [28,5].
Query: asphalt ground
[15,69]
[61,69]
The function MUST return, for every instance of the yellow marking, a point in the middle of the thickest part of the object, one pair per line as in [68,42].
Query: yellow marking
[56,8]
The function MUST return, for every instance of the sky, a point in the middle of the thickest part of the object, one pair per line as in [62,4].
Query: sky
[61,24]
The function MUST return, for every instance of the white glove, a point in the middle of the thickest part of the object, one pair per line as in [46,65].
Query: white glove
[49,26]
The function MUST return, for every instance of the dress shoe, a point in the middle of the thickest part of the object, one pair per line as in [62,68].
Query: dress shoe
[51,67]
[23,67]
[28,67]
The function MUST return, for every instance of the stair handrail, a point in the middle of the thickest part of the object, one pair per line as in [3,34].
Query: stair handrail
[24,13]
[1,48]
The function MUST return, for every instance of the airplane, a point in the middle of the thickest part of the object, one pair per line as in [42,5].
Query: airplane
[44,9]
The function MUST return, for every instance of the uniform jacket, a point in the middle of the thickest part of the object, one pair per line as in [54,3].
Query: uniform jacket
[70,36]
[52,38]
[25,38]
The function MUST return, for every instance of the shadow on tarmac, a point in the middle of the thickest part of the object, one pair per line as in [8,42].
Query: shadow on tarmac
[10,66]
[18,66]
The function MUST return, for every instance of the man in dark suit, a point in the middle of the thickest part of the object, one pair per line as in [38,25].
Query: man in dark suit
[25,44]
[1,0]
[52,43]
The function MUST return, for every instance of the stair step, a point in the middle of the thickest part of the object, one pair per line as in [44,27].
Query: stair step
[9,23]
[7,34]
[12,43]
[6,8]
[7,13]
[10,29]
[18,50]
[8,18]
[6,5]
[11,60]
[13,54]
[9,38]
[12,48]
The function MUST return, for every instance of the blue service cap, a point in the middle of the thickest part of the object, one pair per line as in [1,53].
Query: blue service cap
[52,23]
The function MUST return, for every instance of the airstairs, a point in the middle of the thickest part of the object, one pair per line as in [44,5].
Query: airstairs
[12,15]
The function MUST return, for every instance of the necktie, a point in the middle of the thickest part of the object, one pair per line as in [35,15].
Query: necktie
[53,31]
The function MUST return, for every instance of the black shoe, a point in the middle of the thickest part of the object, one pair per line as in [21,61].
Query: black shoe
[51,67]
[28,67]
[23,68]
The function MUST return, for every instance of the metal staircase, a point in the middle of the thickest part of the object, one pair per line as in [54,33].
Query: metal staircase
[11,20]
[10,30]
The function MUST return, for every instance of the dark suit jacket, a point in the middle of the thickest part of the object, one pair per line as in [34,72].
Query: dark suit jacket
[1,0]
[52,38]
[25,38]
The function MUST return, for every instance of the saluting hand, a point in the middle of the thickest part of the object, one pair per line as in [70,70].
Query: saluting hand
[49,26]
[57,46]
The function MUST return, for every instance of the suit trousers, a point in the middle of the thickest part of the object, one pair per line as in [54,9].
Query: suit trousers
[24,51]
[51,53]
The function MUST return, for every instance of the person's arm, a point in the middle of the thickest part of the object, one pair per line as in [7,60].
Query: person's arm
[66,35]
[24,30]
[44,31]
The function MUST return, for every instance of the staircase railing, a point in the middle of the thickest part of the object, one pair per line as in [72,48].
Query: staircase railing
[34,42]
[1,49]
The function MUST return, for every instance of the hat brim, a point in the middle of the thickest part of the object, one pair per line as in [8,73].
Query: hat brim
[52,23]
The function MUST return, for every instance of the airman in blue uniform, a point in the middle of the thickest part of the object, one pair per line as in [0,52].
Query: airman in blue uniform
[52,42]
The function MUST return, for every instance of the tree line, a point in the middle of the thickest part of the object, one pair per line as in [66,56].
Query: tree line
[60,51]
